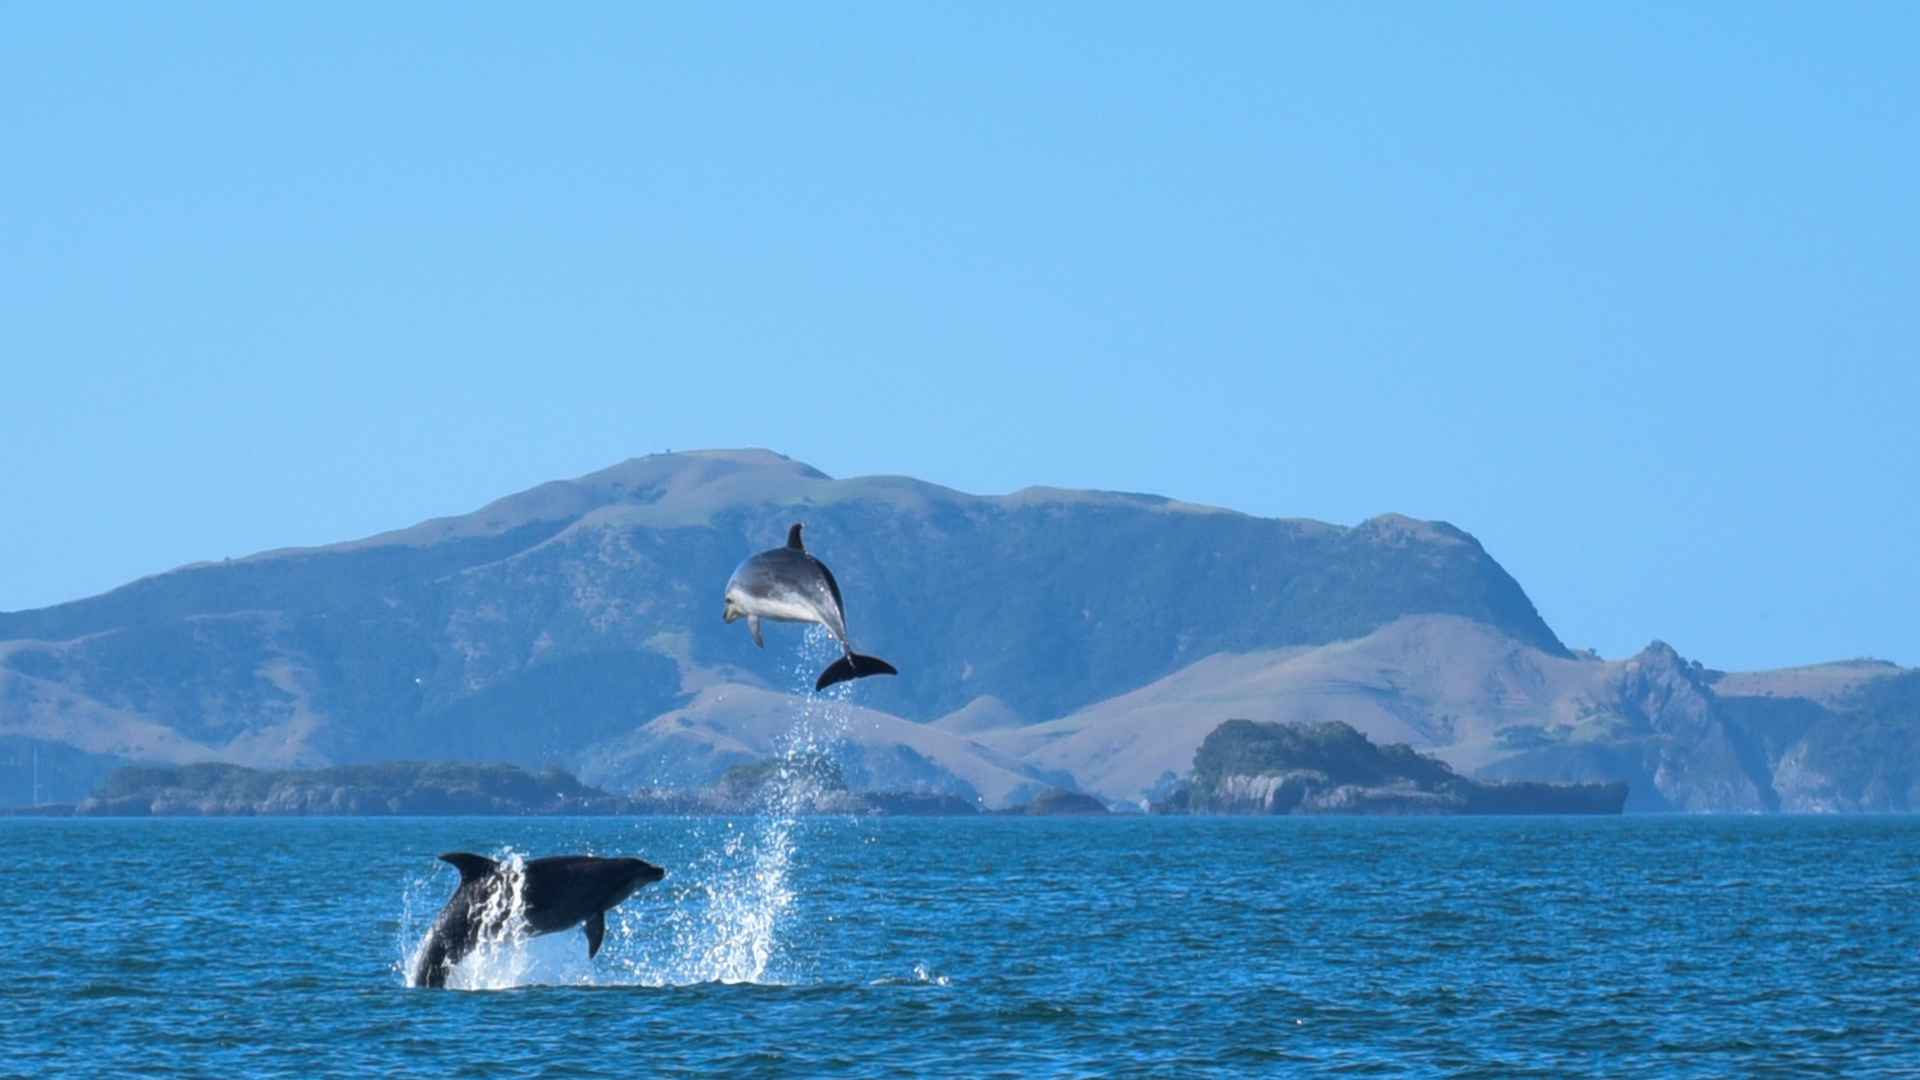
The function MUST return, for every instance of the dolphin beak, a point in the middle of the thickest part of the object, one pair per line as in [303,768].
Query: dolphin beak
[642,873]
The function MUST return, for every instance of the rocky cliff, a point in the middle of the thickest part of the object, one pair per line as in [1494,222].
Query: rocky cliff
[1329,768]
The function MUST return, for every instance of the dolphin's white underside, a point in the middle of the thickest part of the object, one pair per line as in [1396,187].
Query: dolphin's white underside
[785,608]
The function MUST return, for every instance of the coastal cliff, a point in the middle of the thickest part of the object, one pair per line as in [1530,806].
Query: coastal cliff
[1244,767]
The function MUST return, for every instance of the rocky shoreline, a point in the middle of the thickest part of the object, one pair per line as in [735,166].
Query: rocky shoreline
[1329,768]
[467,789]
[1242,768]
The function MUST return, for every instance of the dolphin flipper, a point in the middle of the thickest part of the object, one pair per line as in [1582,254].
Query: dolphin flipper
[753,627]
[853,666]
[596,932]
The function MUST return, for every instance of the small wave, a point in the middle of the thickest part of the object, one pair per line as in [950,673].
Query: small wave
[110,990]
[921,976]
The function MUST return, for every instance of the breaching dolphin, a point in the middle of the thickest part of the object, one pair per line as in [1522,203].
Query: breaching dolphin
[790,585]
[555,893]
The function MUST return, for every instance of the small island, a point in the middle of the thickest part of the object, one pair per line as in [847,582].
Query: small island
[1244,767]
[804,786]
[390,788]
[1058,802]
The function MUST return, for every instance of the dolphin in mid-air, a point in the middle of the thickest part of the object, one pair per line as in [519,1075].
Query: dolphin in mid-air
[790,585]
[556,893]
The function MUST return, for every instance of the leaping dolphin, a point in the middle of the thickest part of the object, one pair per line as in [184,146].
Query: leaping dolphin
[790,585]
[557,893]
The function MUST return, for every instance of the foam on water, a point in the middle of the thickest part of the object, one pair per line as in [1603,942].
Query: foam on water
[727,915]
[922,975]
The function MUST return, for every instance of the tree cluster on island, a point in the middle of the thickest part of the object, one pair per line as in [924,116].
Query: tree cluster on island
[1245,767]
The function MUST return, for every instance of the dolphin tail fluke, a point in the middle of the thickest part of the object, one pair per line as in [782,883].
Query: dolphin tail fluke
[853,666]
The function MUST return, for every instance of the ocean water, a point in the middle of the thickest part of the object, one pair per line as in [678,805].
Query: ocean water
[1489,947]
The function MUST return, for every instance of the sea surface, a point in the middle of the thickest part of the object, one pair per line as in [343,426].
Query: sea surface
[990,946]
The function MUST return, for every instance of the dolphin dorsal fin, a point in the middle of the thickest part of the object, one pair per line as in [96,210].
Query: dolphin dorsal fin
[470,866]
[793,538]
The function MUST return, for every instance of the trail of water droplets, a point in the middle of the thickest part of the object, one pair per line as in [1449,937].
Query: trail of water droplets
[727,915]
[727,921]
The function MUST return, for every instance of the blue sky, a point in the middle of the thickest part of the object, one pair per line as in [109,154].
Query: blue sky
[1629,293]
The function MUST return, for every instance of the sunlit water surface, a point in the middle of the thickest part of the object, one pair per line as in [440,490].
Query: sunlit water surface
[974,946]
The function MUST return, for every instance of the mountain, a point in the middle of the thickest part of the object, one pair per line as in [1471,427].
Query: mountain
[1681,736]
[552,627]
[1047,639]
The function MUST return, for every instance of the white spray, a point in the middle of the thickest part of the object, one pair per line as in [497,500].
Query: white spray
[725,916]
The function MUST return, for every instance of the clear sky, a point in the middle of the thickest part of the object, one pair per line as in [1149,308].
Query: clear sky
[1632,294]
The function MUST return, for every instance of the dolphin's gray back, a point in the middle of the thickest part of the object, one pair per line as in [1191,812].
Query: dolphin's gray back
[562,891]
[789,576]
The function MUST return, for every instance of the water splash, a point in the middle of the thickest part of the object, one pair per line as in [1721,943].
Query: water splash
[728,915]
[418,908]
[728,920]
[502,957]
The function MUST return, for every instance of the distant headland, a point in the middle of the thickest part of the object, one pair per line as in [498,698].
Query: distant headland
[459,788]
[1245,767]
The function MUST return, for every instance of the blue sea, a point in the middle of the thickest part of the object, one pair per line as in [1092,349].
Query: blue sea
[991,946]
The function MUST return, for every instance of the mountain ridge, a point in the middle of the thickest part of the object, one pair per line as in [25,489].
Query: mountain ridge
[549,625]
